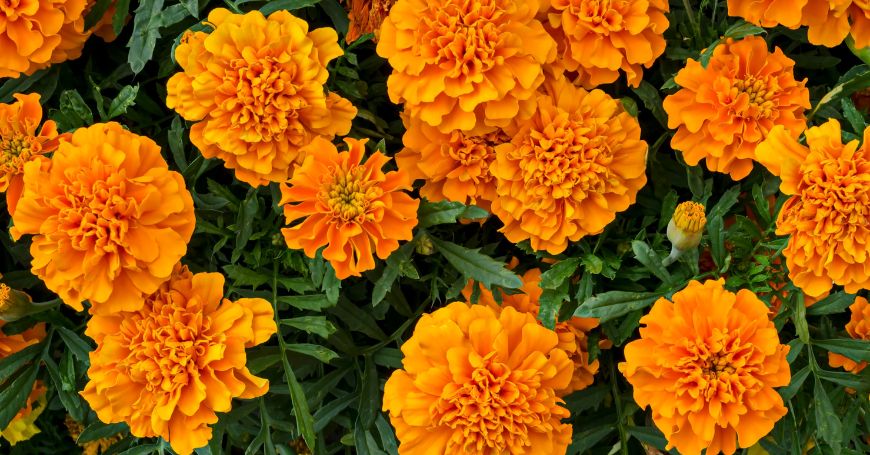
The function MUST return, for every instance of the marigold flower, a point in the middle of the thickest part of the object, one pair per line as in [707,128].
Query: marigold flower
[365,17]
[686,225]
[95,447]
[568,169]
[724,110]
[461,64]
[829,21]
[169,367]
[828,216]
[572,333]
[857,328]
[22,426]
[348,206]
[255,88]
[597,39]
[20,142]
[109,218]
[717,359]
[477,380]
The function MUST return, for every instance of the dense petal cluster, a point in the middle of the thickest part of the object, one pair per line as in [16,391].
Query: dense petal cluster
[22,426]
[572,333]
[725,109]
[480,381]
[828,22]
[828,216]
[169,367]
[857,328]
[352,208]
[109,218]
[255,88]
[568,169]
[460,64]
[366,16]
[599,38]
[706,364]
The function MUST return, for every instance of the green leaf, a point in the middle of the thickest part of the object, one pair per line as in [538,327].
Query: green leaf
[585,439]
[391,272]
[14,395]
[313,302]
[551,301]
[558,273]
[797,380]
[835,303]
[651,260]
[388,437]
[829,427]
[476,266]
[72,103]
[652,101]
[649,435]
[243,276]
[147,21]
[317,351]
[100,430]
[122,10]
[857,350]
[441,212]
[859,381]
[304,419]
[799,318]
[290,5]
[855,118]
[96,13]
[857,78]
[613,304]
[369,401]
[124,100]
[317,325]
[9,365]
[76,344]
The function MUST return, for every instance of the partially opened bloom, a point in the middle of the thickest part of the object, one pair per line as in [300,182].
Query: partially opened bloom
[828,215]
[857,328]
[706,363]
[169,367]
[22,140]
[255,88]
[572,333]
[481,381]
[569,169]
[22,426]
[829,22]
[350,206]
[598,39]
[365,17]
[109,219]
[723,111]
[459,64]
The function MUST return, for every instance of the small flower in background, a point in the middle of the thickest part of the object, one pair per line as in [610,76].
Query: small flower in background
[350,206]
[96,447]
[828,215]
[255,88]
[169,367]
[109,219]
[706,363]
[480,380]
[599,39]
[23,425]
[20,142]
[365,17]
[685,229]
[724,110]
[829,22]
[857,328]
[569,169]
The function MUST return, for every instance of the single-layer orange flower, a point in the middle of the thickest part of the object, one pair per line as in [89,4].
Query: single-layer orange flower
[460,64]
[22,140]
[22,426]
[572,333]
[857,328]
[365,17]
[828,215]
[829,22]
[706,363]
[569,169]
[724,110]
[255,88]
[168,368]
[109,218]
[480,381]
[352,208]
[598,39]
[455,165]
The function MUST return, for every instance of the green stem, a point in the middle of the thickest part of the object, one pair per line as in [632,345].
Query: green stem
[692,20]
[623,436]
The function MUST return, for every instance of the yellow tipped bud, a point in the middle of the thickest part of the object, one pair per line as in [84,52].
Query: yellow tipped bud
[14,304]
[424,245]
[686,226]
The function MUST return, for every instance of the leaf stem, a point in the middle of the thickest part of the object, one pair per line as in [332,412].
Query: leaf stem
[623,436]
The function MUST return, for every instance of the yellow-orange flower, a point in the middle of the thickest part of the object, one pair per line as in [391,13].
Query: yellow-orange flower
[255,88]
[95,447]
[22,426]
[22,140]
[857,328]
[568,169]
[366,16]
[724,110]
[716,358]
[168,368]
[480,381]
[348,206]
[31,33]
[828,216]
[572,333]
[455,165]
[460,64]
[597,38]
[829,22]
[109,218]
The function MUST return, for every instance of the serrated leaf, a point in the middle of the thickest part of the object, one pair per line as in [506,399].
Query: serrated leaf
[651,260]
[290,5]
[317,351]
[857,350]
[317,325]
[835,303]
[558,273]
[476,266]
[313,302]
[613,304]
[829,427]
[391,272]
[100,430]
[652,101]
[147,21]
[123,101]
[243,276]
[441,212]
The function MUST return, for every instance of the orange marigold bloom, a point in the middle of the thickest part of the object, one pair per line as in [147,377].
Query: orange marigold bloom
[455,165]
[568,169]
[829,21]
[597,39]
[858,328]
[109,218]
[717,358]
[348,206]
[459,64]
[31,33]
[22,426]
[480,381]
[572,333]
[366,16]
[169,367]
[724,110]
[20,142]
[255,88]
[828,216]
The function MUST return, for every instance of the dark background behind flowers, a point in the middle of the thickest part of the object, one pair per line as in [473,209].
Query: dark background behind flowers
[343,338]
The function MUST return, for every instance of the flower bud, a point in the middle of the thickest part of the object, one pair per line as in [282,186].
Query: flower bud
[685,229]
[424,245]
[15,304]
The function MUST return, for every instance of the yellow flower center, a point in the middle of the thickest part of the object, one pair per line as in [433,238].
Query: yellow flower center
[16,150]
[759,93]
[347,194]
[96,211]
[689,217]
[464,35]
